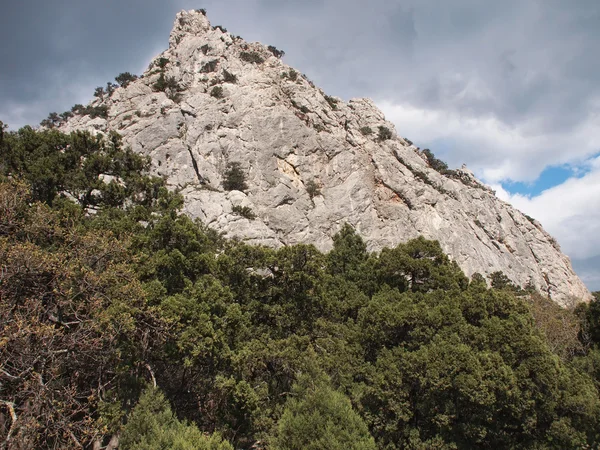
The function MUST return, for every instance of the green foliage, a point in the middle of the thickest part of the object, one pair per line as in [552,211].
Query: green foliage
[384,133]
[162,62]
[332,102]
[318,417]
[435,163]
[234,178]
[125,78]
[290,347]
[110,88]
[220,28]
[202,11]
[292,75]
[99,92]
[252,57]
[217,92]
[169,86]
[366,131]
[152,425]
[77,166]
[313,189]
[243,211]
[277,53]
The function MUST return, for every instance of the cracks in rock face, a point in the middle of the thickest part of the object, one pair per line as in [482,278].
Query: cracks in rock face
[195,165]
[400,195]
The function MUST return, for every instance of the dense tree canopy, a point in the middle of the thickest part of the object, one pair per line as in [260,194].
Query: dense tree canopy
[106,289]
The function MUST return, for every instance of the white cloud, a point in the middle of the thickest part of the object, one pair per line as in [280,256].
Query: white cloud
[570,212]
[494,150]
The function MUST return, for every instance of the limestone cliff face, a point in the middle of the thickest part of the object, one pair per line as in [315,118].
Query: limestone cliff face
[289,136]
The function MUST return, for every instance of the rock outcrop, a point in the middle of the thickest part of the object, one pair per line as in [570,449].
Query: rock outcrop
[312,162]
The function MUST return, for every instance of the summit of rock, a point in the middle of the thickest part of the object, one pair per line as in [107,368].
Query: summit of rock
[312,162]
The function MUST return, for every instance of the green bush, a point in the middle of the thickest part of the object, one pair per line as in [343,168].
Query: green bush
[384,133]
[152,425]
[312,188]
[277,53]
[332,102]
[162,62]
[252,57]
[318,417]
[292,75]
[243,211]
[366,131]
[234,178]
[217,92]
[436,164]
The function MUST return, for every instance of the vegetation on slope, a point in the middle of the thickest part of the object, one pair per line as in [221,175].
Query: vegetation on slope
[106,290]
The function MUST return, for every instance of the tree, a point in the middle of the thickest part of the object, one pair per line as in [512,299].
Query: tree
[277,53]
[234,178]
[384,133]
[152,425]
[125,78]
[318,417]
[99,92]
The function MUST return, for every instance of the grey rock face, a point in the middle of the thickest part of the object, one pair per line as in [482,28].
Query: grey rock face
[288,136]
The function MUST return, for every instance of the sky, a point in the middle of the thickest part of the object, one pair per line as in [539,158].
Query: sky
[511,88]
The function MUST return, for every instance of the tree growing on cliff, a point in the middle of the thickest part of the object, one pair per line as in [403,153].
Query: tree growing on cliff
[234,178]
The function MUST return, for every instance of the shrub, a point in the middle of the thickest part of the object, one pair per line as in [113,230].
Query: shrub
[201,11]
[436,164]
[292,75]
[316,416]
[97,111]
[229,77]
[243,211]
[277,53]
[166,84]
[162,62]
[384,133]
[152,424]
[217,92]
[99,92]
[312,188]
[110,88]
[332,102]
[53,120]
[252,57]
[234,179]
[210,66]
[219,27]
[125,78]
[66,115]
[366,131]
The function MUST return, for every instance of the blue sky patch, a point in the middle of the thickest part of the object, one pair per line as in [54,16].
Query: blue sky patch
[550,177]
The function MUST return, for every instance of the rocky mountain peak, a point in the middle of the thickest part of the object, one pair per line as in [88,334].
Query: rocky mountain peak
[311,162]
[189,23]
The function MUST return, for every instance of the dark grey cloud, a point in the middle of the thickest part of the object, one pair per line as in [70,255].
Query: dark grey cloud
[528,65]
